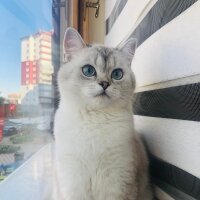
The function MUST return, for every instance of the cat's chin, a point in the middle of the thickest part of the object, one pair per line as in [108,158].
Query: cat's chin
[102,95]
[99,101]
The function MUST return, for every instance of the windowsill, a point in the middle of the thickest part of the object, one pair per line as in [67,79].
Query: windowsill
[29,180]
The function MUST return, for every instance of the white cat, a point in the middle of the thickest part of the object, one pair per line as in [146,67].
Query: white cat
[98,156]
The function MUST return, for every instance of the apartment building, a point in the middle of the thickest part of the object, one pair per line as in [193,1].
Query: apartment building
[36,69]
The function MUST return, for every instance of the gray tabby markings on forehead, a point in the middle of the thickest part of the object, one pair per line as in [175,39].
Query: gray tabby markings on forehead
[105,53]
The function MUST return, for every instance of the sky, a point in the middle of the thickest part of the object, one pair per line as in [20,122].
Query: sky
[18,18]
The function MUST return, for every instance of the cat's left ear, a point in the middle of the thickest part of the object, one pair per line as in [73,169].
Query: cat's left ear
[129,47]
[72,42]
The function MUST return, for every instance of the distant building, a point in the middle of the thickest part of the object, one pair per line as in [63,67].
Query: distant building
[36,91]
[41,94]
[36,68]
[14,98]
[36,64]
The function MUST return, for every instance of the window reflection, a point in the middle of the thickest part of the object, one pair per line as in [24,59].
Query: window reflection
[26,90]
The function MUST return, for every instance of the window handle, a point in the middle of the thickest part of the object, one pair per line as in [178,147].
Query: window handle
[94,5]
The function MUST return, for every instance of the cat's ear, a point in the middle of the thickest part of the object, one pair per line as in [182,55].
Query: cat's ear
[72,42]
[129,47]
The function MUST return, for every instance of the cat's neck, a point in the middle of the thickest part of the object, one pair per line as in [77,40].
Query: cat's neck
[86,113]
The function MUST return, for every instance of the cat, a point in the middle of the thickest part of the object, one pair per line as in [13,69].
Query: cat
[97,153]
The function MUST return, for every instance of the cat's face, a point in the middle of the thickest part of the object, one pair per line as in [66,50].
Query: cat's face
[97,77]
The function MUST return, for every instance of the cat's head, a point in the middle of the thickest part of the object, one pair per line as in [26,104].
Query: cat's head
[96,76]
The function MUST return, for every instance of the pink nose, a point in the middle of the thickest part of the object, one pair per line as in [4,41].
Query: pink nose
[104,84]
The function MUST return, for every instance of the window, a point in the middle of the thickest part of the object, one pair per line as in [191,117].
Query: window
[26,127]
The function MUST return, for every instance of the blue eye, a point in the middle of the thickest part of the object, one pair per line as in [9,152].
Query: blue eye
[88,70]
[117,74]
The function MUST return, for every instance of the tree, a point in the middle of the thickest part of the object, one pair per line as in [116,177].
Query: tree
[2,100]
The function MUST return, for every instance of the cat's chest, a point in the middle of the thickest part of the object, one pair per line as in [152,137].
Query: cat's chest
[92,139]
[91,136]
[93,125]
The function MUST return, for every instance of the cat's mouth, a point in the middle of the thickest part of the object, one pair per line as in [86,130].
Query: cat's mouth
[102,94]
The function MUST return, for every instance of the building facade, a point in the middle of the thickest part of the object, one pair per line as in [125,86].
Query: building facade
[36,67]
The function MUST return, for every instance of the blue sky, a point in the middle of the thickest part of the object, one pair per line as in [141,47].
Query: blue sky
[18,18]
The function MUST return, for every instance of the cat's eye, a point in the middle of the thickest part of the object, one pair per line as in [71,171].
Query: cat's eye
[117,74]
[88,70]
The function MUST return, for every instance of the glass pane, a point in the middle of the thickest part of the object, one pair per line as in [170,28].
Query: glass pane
[26,76]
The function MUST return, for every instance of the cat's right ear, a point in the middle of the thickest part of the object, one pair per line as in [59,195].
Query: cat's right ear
[72,43]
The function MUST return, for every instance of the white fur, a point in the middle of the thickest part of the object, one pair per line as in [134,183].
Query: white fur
[98,156]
